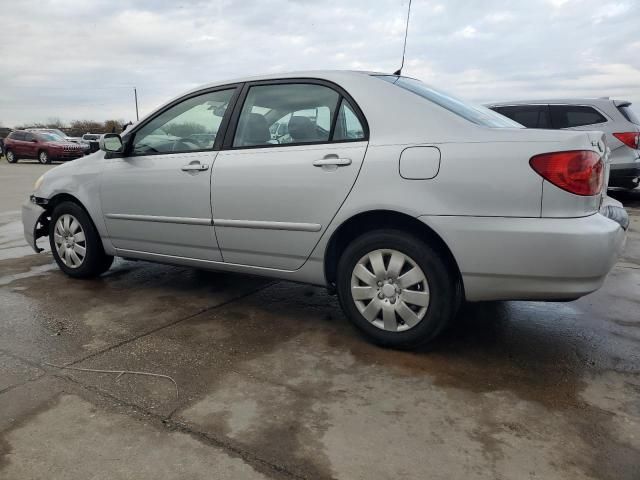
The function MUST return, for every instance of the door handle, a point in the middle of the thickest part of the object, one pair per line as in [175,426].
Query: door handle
[194,167]
[338,162]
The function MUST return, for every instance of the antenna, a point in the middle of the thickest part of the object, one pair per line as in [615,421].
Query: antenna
[135,95]
[404,48]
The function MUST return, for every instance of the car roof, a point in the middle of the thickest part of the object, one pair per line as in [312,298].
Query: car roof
[562,101]
[318,74]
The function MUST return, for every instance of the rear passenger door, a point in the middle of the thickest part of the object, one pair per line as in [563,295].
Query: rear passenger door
[30,146]
[272,199]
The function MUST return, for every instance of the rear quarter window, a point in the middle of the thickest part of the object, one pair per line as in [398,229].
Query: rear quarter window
[16,136]
[569,116]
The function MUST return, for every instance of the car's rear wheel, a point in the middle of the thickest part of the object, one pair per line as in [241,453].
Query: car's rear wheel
[43,157]
[11,157]
[75,242]
[396,289]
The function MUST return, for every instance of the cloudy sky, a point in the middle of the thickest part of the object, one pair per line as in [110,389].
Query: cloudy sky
[79,59]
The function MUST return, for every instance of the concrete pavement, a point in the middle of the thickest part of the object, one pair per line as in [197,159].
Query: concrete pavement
[274,383]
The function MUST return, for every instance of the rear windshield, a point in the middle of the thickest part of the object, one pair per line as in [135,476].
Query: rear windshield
[473,113]
[629,114]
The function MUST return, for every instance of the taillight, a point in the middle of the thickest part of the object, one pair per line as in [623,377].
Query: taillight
[630,139]
[578,171]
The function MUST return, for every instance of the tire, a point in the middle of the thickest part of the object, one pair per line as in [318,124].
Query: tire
[43,157]
[432,301]
[11,157]
[88,258]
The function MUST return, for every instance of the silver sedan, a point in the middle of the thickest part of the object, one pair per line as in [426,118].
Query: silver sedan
[402,199]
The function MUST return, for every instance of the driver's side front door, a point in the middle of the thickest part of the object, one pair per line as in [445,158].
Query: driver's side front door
[156,199]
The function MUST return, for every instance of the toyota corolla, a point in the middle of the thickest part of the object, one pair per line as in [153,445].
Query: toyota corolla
[401,199]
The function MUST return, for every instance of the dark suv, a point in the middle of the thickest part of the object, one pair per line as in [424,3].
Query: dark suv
[44,147]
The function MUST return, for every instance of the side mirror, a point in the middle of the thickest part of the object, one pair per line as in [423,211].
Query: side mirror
[111,142]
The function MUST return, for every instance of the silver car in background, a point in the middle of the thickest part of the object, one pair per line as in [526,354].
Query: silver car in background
[400,198]
[613,117]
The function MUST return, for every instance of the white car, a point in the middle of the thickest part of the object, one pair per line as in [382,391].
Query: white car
[400,198]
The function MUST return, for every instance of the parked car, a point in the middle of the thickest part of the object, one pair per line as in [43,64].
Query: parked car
[613,117]
[405,203]
[55,131]
[91,139]
[42,146]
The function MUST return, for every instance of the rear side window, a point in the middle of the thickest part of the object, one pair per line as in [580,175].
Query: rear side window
[473,113]
[629,114]
[16,135]
[531,116]
[306,109]
[568,116]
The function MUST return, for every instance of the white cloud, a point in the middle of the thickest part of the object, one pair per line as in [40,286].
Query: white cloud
[81,59]
[467,32]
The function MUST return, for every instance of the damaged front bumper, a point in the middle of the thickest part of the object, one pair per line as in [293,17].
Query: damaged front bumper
[34,221]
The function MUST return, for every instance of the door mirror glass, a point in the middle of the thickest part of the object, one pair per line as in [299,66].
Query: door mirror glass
[111,142]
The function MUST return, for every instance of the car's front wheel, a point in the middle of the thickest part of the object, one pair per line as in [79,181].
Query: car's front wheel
[43,157]
[11,157]
[75,242]
[396,289]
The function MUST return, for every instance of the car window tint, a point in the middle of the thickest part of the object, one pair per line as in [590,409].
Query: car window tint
[348,126]
[568,116]
[17,136]
[531,116]
[305,109]
[473,113]
[28,137]
[190,125]
[629,114]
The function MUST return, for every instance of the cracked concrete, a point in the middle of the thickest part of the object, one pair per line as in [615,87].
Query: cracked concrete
[274,383]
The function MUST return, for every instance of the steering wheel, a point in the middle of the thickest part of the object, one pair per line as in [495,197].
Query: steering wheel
[185,145]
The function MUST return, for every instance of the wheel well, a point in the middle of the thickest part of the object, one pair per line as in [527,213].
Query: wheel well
[375,220]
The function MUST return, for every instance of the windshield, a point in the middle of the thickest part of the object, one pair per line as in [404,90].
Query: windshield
[49,137]
[474,113]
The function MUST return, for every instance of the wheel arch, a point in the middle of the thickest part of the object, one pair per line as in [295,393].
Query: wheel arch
[56,200]
[374,220]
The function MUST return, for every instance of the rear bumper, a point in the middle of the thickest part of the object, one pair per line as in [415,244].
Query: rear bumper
[531,258]
[31,216]
[624,171]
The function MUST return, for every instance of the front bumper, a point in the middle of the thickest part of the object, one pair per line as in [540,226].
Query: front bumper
[531,258]
[33,217]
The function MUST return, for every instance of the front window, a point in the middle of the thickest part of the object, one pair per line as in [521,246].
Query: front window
[189,126]
[473,113]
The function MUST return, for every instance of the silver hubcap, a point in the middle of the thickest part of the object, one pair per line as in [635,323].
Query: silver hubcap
[390,290]
[10,156]
[70,241]
[43,157]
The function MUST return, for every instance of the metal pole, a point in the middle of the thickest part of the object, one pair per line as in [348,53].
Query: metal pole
[135,94]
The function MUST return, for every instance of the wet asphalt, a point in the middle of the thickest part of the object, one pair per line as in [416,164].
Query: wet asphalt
[272,382]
